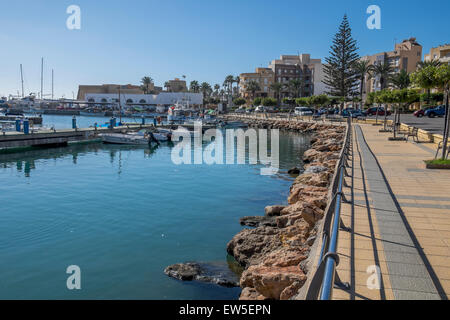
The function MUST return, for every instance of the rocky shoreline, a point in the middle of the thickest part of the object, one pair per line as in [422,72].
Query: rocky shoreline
[274,252]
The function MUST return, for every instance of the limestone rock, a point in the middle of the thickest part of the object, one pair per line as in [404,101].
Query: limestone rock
[271,211]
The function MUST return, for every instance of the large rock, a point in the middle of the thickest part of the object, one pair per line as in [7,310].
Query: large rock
[215,273]
[316,169]
[309,212]
[321,179]
[250,245]
[310,194]
[272,281]
[251,294]
[271,211]
[257,221]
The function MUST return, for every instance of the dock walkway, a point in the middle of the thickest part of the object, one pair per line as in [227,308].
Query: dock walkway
[400,221]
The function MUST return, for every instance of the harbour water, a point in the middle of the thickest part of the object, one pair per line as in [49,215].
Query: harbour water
[122,214]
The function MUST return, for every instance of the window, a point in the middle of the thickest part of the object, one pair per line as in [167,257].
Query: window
[104,100]
[91,100]
[129,101]
[142,101]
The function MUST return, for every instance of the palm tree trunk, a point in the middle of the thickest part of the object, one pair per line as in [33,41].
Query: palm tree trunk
[446,127]
[361,94]
[376,116]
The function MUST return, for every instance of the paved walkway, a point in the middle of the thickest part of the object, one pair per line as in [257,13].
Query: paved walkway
[400,220]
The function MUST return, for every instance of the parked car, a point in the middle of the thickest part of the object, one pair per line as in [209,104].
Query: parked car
[303,111]
[350,112]
[439,111]
[420,113]
[373,111]
[260,109]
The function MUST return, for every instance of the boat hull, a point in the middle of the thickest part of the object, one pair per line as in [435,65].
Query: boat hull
[116,138]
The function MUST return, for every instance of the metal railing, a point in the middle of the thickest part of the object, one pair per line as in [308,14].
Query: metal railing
[325,276]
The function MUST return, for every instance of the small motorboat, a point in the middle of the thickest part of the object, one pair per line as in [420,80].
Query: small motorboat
[125,138]
[162,135]
[142,137]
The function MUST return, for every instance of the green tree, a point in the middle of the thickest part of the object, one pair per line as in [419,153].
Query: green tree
[362,69]
[384,72]
[339,68]
[253,87]
[425,78]
[239,101]
[442,75]
[401,80]
[277,87]
[295,87]
[269,102]
[205,88]
[402,98]
[257,101]
[194,86]
[146,82]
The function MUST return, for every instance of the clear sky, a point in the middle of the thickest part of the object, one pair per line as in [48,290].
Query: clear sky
[122,41]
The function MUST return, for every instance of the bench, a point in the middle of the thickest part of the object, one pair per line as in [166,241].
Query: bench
[412,132]
[440,146]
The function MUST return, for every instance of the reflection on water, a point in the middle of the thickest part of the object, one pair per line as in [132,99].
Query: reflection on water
[123,214]
[291,147]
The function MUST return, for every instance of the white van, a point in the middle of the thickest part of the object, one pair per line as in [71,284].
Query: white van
[303,111]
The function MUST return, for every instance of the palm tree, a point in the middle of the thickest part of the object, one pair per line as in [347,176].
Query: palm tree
[194,86]
[146,81]
[296,87]
[228,83]
[401,80]
[277,87]
[216,89]
[237,80]
[205,88]
[252,87]
[432,63]
[383,71]
[362,68]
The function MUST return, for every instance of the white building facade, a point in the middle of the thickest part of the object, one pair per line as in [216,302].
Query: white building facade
[145,100]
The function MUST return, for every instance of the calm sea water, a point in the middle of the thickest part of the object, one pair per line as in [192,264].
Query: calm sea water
[122,214]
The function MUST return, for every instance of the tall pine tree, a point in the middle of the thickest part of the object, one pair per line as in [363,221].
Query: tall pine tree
[340,76]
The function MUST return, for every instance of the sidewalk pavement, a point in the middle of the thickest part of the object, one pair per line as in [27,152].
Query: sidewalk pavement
[400,221]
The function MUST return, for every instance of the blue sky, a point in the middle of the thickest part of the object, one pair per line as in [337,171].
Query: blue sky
[122,41]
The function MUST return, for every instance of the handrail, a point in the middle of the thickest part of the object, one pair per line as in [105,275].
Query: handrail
[323,280]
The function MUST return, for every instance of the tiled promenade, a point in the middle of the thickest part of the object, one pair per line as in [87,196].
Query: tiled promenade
[400,221]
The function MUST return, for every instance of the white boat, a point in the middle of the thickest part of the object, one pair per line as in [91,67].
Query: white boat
[162,135]
[142,137]
[125,138]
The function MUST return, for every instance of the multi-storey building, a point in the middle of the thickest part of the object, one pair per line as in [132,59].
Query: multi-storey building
[264,77]
[441,53]
[83,90]
[176,85]
[299,67]
[406,56]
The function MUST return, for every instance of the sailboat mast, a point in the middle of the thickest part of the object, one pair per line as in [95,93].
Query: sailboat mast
[21,79]
[42,79]
[52,84]
[120,108]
